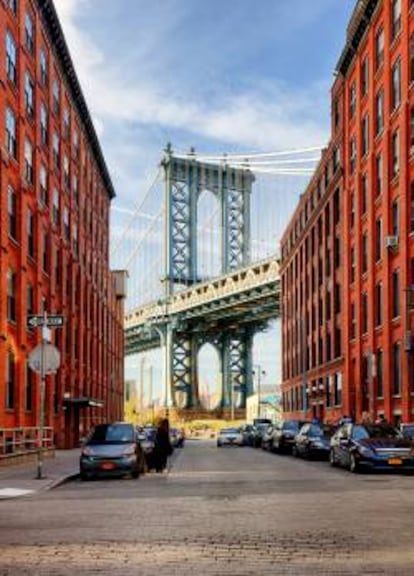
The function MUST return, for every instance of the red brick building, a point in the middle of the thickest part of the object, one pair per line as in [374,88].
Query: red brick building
[55,194]
[348,252]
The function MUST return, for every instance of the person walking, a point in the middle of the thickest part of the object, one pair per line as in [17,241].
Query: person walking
[162,445]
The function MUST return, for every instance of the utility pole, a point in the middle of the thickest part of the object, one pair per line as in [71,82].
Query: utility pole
[141,389]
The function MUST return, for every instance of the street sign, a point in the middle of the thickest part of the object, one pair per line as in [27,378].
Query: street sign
[54,321]
[51,359]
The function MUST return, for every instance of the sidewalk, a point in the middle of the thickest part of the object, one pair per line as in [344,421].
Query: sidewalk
[20,479]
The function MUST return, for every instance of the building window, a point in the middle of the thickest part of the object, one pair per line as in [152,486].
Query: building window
[379,48]
[11,296]
[11,132]
[378,239]
[56,151]
[364,76]
[352,154]
[66,123]
[364,193]
[30,234]
[55,210]
[29,299]
[10,380]
[337,252]
[364,305]
[76,144]
[395,18]
[352,100]
[66,176]
[12,212]
[28,93]
[396,85]
[337,389]
[380,373]
[43,67]
[28,160]
[28,397]
[43,184]
[56,96]
[378,175]
[378,304]
[395,293]
[379,112]
[43,124]
[395,154]
[75,188]
[12,4]
[46,250]
[365,252]
[66,227]
[352,215]
[28,27]
[11,56]
[396,369]
[365,135]
[353,320]
[395,215]
[412,208]
[353,264]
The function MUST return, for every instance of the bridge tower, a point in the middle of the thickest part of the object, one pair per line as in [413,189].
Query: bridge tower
[185,179]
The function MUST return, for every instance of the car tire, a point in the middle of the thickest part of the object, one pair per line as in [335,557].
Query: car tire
[135,474]
[218,445]
[332,459]
[353,464]
[84,476]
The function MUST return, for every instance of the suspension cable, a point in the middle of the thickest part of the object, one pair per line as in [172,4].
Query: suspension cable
[226,156]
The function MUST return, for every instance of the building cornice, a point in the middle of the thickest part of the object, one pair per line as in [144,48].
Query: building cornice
[51,22]
[357,27]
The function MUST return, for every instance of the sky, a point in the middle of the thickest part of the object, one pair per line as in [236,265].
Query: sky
[219,75]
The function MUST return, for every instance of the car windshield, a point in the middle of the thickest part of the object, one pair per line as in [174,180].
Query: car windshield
[229,431]
[381,431]
[111,433]
[291,425]
[323,430]
[408,431]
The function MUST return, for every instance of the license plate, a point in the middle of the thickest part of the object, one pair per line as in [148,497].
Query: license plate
[107,466]
[395,461]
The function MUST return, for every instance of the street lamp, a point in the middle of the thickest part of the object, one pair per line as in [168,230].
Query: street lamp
[259,372]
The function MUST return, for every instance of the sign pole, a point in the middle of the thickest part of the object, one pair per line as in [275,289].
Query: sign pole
[42,401]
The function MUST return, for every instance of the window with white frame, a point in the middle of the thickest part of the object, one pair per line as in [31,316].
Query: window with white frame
[396,85]
[56,150]
[379,48]
[43,67]
[56,96]
[55,209]
[395,218]
[395,154]
[352,100]
[364,76]
[379,112]
[43,124]
[365,135]
[66,123]
[28,94]
[395,18]
[10,140]
[11,295]
[28,160]
[66,227]
[353,154]
[11,57]
[378,174]
[12,4]
[43,184]
[29,33]
[30,234]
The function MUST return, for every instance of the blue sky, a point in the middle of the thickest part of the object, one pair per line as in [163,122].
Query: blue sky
[222,75]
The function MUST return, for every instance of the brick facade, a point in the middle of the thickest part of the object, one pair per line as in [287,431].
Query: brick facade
[55,194]
[347,324]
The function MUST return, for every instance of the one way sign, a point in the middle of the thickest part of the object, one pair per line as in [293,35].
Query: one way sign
[54,321]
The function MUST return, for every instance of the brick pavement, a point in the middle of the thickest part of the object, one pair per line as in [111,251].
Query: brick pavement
[238,512]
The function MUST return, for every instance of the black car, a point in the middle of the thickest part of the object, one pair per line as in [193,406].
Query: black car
[112,449]
[284,435]
[371,446]
[313,441]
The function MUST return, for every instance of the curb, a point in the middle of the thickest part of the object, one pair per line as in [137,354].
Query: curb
[62,480]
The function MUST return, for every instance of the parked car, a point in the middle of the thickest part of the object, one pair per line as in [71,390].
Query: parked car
[284,435]
[267,437]
[146,438]
[248,432]
[177,437]
[373,446]
[407,430]
[259,430]
[231,436]
[313,441]
[112,449]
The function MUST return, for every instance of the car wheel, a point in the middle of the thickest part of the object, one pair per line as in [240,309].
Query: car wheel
[218,445]
[135,473]
[84,476]
[353,464]
[332,459]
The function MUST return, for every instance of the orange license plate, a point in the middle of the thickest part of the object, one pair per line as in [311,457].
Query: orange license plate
[107,466]
[395,461]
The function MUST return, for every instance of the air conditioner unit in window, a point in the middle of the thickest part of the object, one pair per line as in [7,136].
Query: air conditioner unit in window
[391,242]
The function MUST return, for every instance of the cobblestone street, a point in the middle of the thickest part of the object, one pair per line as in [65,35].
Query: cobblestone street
[217,512]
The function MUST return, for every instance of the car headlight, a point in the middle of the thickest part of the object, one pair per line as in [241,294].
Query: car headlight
[129,451]
[87,451]
[317,444]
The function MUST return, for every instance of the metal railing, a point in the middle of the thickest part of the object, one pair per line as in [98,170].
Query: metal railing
[26,440]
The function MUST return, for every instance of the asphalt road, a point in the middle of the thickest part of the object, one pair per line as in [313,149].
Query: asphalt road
[228,511]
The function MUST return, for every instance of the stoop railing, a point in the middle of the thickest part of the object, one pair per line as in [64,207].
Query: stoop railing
[26,440]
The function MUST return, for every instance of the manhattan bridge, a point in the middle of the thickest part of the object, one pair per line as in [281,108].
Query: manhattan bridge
[202,253]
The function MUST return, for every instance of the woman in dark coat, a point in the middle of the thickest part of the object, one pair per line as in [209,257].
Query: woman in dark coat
[162,445]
